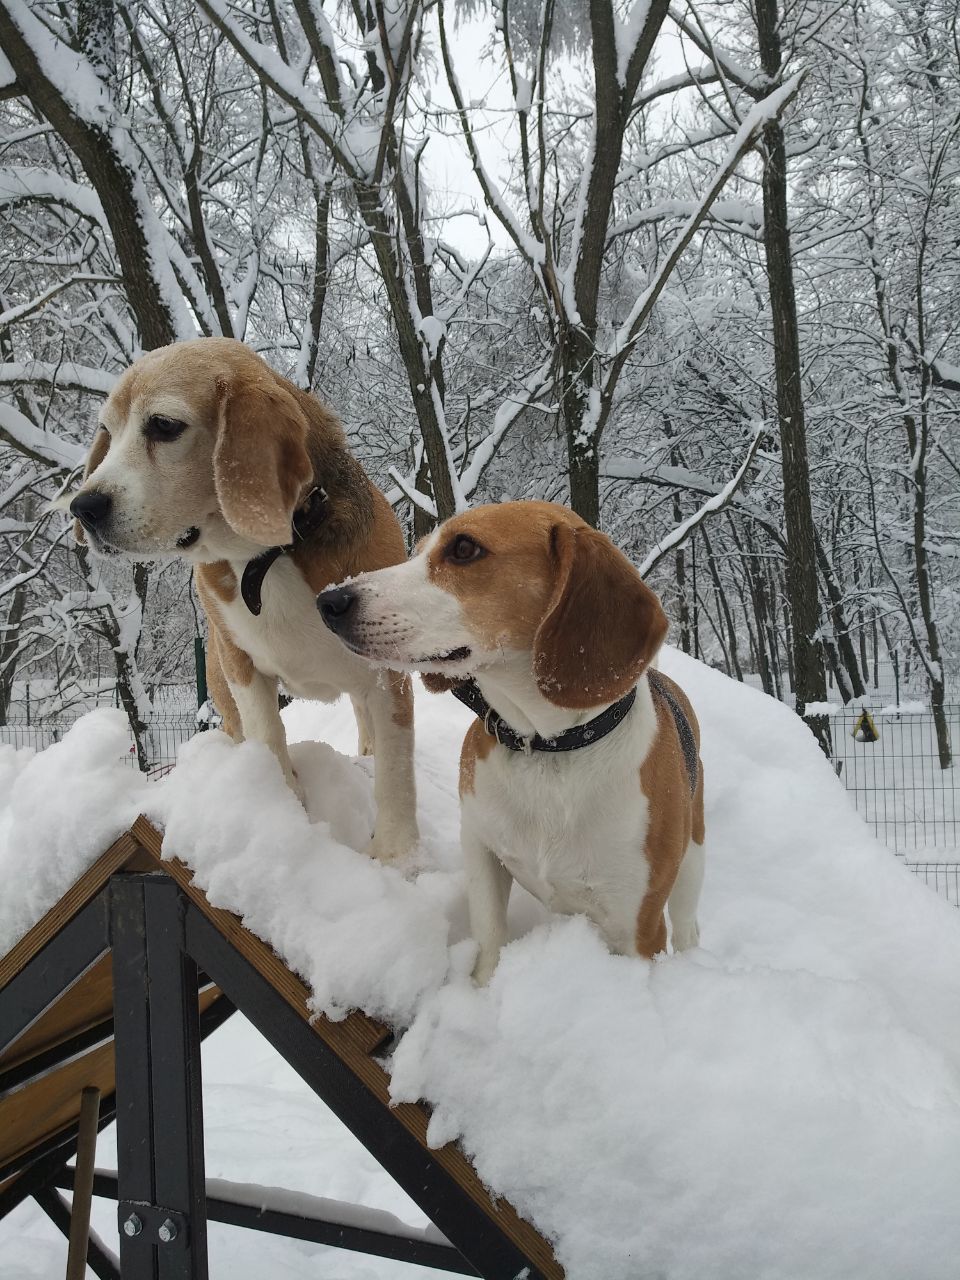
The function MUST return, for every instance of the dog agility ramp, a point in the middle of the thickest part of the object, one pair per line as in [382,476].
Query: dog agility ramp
[113,990]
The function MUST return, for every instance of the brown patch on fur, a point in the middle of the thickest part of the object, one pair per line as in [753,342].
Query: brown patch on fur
[506,591]
[99,448]
[603,626]
[434,682]
[261,467]
[360,532]
[220,579]
[218,688]
[674,817]
[401,694]
[235,663]
[551,583]
[477,745]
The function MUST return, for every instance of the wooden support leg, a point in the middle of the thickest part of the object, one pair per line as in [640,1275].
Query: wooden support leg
[83,1184]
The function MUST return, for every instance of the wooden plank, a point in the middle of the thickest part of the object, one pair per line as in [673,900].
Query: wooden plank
[90,1003]
[77,896]
[51,1104]
[353,1040]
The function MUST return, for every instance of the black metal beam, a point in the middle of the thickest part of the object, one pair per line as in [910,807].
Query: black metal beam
[282,1221]
[159,1118]
[99,1259]
[445,1203]
[53,970]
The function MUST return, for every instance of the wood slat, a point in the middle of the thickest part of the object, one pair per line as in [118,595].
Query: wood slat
[78,895]
[353,1040]
[90,1003]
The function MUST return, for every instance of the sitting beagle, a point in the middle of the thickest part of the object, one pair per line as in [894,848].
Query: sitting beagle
[204,452]
[581,776]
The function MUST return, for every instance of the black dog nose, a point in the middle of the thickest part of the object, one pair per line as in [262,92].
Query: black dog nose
[91,508]
[335,604]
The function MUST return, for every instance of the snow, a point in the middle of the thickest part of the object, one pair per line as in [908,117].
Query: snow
[433,331]
[782,1102]
[45,446]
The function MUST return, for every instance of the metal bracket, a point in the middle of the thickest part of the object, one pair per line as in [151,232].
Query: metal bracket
[152,1224]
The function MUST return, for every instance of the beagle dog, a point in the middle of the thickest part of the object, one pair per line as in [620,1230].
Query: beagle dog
[203,452]
[581,776]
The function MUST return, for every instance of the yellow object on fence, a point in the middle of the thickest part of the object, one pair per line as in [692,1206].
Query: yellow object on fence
[866,727]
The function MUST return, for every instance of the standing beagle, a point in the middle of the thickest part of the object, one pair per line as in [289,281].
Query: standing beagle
[581,776]
[204,452]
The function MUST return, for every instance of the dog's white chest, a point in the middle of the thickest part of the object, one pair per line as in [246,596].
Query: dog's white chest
[288,639]
[570,829]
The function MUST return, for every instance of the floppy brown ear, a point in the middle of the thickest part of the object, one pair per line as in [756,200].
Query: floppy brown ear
[261,468]
[603,624]
[97,453]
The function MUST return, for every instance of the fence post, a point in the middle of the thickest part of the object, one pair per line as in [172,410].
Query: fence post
[200,661]
[28,704]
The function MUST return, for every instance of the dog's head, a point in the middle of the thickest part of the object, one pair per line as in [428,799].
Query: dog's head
[203,451]
[526,582]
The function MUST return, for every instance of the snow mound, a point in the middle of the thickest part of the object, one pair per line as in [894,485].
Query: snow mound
[782,1102]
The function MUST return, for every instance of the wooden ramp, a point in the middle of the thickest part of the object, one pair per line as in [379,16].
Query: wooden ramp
[114,988]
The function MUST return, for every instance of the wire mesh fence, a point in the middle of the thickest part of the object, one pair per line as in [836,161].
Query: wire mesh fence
[888,762]
[164,734]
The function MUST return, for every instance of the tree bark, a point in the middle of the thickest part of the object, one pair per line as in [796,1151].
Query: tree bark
[111,176]
[809,678]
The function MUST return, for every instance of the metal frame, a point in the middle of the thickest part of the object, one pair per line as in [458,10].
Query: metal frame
[161,942]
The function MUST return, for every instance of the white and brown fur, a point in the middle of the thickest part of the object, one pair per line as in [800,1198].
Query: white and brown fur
[554,624]
[253,448]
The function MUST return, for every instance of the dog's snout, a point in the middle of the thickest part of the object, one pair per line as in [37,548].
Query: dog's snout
[336,605]
[91,508]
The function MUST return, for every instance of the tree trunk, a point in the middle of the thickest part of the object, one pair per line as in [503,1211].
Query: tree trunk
[8,649]
[111,176]
[809,679]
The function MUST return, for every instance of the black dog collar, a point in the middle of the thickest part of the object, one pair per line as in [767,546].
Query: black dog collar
[306,520]
[581,735]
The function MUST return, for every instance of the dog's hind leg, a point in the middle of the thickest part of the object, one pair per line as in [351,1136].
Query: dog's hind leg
[218,687]
[684,898]
[364,728]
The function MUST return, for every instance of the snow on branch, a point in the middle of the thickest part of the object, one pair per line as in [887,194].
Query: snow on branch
[712,505]
[19,184]
[759,115]
[66,376]
[504,419]
[354,145]
[412,494]
[25,309]
[42,446]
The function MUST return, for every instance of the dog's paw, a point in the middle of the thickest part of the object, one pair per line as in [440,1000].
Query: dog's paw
[393,846]
[685,936]
[485,967]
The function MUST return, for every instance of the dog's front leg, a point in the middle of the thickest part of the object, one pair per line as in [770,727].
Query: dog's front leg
[256,700]
[390,707]
[488,892]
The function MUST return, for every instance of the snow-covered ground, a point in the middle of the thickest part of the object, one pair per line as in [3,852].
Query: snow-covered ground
[782,1102]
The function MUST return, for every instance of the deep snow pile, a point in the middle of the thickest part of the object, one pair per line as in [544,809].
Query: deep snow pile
[784,1101]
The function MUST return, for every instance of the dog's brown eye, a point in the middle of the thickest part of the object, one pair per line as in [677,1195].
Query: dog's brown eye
[160,428]
[463,549]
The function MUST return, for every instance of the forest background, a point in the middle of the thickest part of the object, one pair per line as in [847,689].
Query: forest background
[691,268]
